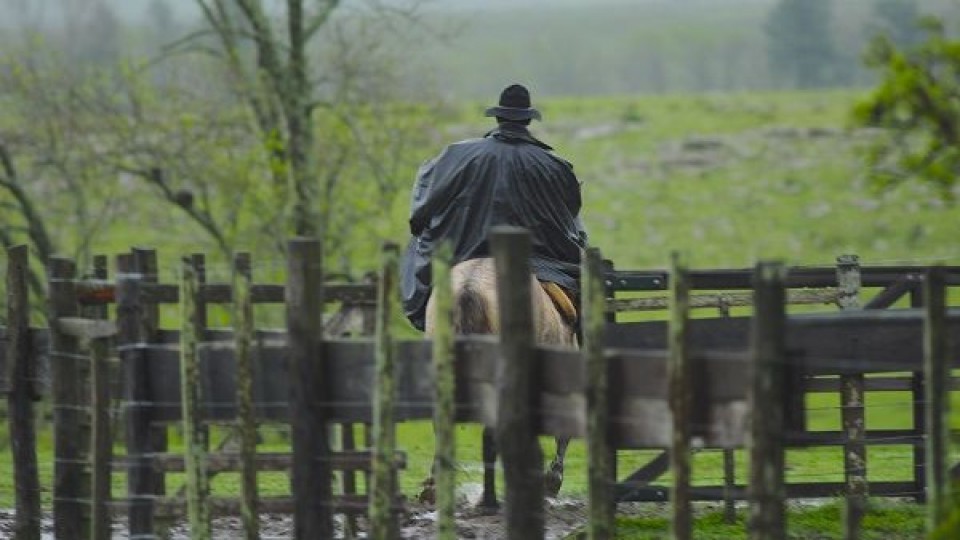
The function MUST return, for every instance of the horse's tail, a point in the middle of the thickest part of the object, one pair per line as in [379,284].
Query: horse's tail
[474,297]
[472,312]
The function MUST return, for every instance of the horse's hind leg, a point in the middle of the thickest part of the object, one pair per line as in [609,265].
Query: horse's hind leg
[553,478]
[489,500]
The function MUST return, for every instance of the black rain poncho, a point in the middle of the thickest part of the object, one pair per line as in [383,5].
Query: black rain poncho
[505,178]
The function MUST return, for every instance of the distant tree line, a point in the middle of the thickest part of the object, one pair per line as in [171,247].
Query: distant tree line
[803,51]
[663,47]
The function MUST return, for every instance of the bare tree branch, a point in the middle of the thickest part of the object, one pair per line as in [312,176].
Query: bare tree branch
[35,224]
[319,19]
[184,200]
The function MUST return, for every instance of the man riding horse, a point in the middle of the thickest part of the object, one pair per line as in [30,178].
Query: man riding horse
[506,177]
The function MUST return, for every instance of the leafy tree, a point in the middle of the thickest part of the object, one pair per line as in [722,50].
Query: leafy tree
[801,49]
[918,104]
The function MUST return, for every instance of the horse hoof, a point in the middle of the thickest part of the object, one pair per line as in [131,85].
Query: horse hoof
[488,508]
[428,492]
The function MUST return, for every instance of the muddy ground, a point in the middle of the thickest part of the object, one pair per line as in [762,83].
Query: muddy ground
[563,518]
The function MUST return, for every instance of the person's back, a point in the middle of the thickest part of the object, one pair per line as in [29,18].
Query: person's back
[508,177]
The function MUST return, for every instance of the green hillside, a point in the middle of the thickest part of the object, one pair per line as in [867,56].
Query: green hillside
[731,178]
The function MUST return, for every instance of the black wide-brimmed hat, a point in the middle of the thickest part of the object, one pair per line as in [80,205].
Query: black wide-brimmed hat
[514,104]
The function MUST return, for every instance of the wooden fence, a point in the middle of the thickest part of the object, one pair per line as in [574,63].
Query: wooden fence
[676,384]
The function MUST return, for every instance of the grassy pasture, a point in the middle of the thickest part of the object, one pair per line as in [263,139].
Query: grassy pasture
[727,178]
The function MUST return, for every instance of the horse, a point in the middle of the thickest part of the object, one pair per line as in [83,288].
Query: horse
[475,311]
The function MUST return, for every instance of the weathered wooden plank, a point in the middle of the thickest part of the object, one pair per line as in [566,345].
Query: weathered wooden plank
[641,376]
[141,481]
[101,444]
[640,411]
[895,291]
[95,292]
[350,363]
[82,328]
[477,357]
[725,279]
[729,479]
[873,437]
[562,415]
[863,341]
[311,482]
[600,452]
[195,440]
[681,399]
[561,370]
[820,344]
[516,421]
[444,417]
[21,371]
[383,522]
[705,334]
[871,384]
[144,263]
[71,489]
[175,508]
[101,450]
[936,368]
[724,300]
[918,395]
[729,465]
[243,330]
[852,410]
[639,492]
[355,460]
[767,516]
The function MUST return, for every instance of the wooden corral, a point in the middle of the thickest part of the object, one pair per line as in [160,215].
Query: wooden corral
[826,350]
[313,382]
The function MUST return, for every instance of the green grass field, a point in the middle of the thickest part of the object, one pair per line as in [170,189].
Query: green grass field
[728,179]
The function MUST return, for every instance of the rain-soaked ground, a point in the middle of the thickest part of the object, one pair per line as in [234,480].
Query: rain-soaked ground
[563,517]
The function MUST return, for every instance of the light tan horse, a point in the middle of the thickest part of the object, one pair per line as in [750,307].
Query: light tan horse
[475,311]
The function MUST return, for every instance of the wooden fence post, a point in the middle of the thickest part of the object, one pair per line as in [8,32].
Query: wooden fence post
[681,398]
[382,520]
[145,263]
[71,490]
[936,367]
[444,417]
[199,264]
[602,522]
[311,474]
[101,449]
[516,413]
[141,478]
[729,454]
[191,393]
[918,395]
[243,329]
[852,405]
[22,375]
[767,492]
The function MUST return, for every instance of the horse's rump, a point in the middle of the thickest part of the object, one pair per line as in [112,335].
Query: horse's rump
[475,306]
